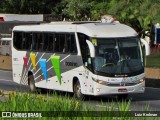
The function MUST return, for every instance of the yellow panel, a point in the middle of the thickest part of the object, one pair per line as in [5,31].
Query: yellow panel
[33,59]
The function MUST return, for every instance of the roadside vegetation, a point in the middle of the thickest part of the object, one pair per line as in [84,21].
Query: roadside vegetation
[136,13]
[141,15]
[58,107]
[153,60]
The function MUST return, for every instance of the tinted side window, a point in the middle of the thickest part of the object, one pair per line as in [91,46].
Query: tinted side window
[17,41]
[51,42]
[70,44]
[59,42]
[46,41]
[43,41]
[73,46]
[26,41]
[38,42]
[28,37]
[65,42]
[83,46]
[22,40]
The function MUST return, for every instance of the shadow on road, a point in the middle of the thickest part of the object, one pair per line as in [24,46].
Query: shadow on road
[10,85]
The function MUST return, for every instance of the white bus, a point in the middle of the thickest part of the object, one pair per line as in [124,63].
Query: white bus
[84,58]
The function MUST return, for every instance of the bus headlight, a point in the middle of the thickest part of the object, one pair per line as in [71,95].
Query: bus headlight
[141,80]
[99,81]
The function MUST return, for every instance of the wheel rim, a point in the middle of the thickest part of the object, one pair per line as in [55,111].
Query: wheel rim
[78,91]
[31,84]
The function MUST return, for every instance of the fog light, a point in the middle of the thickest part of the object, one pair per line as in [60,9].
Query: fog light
[98,90]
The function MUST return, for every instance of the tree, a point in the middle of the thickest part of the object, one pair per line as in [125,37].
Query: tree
[77,9]
[28,6]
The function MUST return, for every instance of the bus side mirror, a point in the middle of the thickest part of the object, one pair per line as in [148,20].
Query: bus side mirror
[91,48]
[147,48]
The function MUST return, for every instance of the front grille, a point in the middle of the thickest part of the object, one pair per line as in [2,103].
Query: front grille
[123,84]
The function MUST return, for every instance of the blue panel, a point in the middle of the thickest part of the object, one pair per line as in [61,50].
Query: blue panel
[43,65]
[157,35]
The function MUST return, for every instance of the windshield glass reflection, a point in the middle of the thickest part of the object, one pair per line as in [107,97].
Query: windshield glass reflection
[118,56]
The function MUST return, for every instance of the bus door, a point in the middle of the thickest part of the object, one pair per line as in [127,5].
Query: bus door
[87,63]
[90,54]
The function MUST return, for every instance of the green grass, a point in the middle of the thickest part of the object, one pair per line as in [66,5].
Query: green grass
[63,107]
[153,60]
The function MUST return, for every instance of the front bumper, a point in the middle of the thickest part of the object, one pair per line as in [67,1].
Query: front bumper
[100,89]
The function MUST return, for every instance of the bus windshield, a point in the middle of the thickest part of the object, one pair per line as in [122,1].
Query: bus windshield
[118,56]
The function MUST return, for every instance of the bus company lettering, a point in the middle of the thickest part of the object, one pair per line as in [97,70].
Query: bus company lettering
[70,64]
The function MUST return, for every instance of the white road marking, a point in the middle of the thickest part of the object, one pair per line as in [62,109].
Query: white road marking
[6,80]
[4,71]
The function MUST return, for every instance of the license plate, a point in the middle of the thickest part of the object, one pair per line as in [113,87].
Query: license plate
[122,90]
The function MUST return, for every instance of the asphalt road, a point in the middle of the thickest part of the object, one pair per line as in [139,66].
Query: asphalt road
[6,82]
[6,75]
[139,102]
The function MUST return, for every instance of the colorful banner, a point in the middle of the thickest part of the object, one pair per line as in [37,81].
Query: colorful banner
[55,60]
[25,59]
[43,66]
[33,59]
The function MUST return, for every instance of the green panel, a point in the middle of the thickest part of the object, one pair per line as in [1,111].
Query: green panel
[55,60]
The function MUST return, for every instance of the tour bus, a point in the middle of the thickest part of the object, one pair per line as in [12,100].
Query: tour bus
[86,58]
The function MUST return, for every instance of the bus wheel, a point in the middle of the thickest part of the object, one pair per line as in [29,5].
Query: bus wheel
[122,96]
[77,91]
[31,83]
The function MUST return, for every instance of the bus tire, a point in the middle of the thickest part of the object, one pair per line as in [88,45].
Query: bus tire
[31,83]
[77,91]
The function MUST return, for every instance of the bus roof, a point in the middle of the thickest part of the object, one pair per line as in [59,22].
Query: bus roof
[92,29]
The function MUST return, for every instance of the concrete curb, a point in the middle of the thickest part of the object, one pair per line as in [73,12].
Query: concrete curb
[152,73]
